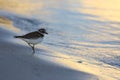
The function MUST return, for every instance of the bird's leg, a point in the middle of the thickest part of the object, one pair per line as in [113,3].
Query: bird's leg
[32,47]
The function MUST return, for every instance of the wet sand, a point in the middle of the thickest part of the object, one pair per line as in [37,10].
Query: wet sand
[17,63]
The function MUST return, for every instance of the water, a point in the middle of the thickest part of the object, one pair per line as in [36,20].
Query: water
[84,29]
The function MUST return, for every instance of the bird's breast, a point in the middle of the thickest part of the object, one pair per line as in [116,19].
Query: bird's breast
[33,41]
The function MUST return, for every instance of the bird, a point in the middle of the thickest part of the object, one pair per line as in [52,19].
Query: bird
[33,38]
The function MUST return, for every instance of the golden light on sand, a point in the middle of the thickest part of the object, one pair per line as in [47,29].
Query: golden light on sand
[101,70]
[19,6]
[4,20]
[105,9]
[8,24]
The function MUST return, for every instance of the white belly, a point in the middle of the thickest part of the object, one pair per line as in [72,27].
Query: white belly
[33,41]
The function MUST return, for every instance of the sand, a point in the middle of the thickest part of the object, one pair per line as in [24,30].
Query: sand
[17,63]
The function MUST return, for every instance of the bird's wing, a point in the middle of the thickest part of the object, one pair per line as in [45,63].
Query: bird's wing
[33,35]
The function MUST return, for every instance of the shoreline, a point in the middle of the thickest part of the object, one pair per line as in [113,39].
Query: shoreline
[18,64]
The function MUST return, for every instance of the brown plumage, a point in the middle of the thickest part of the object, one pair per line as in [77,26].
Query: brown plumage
[32,35]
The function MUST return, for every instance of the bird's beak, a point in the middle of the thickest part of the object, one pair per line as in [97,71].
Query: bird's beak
[46,33]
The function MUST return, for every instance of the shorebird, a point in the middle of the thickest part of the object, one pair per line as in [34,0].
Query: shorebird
[33,38]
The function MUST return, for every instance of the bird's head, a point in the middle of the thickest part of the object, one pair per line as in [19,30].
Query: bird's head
[43,31]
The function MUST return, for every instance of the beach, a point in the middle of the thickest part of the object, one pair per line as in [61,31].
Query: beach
[18,63]
[83,41]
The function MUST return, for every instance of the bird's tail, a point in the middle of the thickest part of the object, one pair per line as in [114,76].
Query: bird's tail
[17,36]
